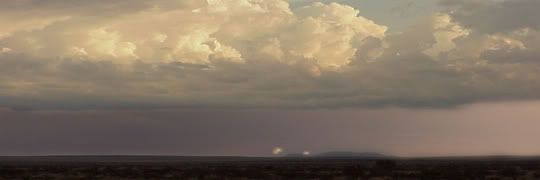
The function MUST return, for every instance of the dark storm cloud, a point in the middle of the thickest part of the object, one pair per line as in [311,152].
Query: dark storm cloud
[412,81]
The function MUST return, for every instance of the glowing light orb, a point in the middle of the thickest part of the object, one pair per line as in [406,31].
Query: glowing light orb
[277,151]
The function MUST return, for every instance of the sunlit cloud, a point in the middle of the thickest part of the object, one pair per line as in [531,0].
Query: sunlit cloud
[252,53]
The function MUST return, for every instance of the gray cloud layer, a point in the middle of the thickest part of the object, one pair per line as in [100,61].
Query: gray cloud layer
[249,53]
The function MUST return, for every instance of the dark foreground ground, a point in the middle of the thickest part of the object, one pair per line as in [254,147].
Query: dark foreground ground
[266,168]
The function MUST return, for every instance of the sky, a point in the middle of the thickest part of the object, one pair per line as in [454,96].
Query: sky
[243,77]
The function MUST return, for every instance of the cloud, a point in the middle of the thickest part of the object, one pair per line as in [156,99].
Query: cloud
[253,53]
[494,16]
[219,30]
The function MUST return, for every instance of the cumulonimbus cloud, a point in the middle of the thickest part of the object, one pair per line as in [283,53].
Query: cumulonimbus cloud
[254,53]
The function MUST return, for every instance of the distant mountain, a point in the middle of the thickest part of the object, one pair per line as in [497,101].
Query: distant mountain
[295,155]
[343,154]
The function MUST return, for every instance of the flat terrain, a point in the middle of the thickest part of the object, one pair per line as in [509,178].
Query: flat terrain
[158,167]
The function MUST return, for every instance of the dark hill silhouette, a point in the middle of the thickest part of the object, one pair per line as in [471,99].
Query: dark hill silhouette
[296,155]
[344,154]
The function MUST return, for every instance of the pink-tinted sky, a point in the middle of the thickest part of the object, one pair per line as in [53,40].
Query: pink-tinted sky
[480,129]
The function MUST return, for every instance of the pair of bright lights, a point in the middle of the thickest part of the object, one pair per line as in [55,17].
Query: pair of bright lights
[278,151]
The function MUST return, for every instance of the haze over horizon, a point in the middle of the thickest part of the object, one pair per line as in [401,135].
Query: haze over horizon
[243,77]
